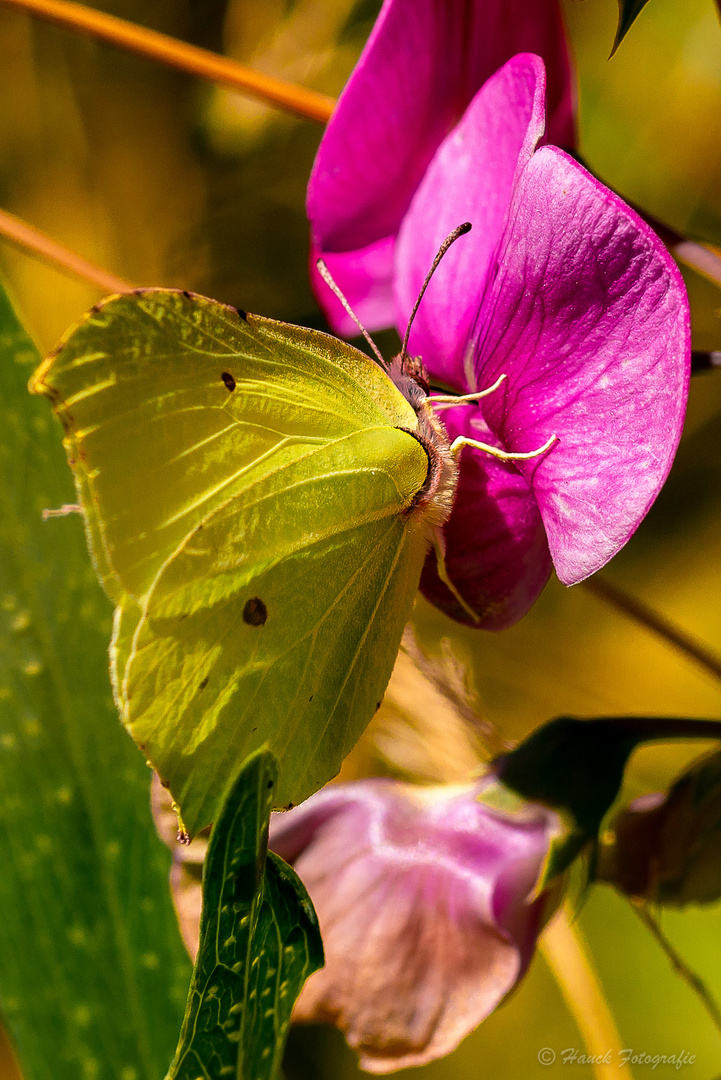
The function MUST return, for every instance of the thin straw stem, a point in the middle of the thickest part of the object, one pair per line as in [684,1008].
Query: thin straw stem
[658,624]
[37,242]
[179,54]
[568,957]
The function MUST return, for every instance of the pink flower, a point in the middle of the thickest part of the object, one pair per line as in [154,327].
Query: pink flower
[560,287]
[421,67]
[426,907]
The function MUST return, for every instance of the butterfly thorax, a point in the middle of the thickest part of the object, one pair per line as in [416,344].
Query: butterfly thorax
[438,492]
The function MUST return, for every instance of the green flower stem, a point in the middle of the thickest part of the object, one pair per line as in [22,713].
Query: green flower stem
[692,980]
[658,624]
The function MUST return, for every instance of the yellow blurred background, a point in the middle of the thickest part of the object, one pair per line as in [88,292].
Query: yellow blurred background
[167,181]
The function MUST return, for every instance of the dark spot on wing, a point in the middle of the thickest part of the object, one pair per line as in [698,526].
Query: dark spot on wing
[378,705]
[255,612]
[242,314]
[289,806]
[270,783]
[310,699]
[187,295]
[203,683]
[228,380]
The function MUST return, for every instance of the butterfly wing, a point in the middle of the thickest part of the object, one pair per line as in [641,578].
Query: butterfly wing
[248,497]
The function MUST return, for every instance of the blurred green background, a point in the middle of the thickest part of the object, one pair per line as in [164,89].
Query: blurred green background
[167,181]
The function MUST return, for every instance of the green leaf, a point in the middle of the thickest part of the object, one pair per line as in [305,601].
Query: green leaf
[93,973]
[253,496]
[259,941]
[628,12]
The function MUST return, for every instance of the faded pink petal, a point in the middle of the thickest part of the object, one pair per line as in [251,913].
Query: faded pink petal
[423,902]
[470,179]
[422,65]
[587,315]
[496,549]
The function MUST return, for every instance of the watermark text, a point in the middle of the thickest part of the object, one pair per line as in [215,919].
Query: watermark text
[572,1056]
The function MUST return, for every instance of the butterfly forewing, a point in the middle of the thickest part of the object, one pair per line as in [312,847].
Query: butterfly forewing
[248,493]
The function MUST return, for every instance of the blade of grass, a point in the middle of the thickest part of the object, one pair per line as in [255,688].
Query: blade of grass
[93,973]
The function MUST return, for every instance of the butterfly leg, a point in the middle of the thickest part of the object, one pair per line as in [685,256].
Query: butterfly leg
[62,511]
[447,401]
[504,455]
[439,546]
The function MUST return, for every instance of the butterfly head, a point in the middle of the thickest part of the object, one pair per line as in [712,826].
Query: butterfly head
[409,375]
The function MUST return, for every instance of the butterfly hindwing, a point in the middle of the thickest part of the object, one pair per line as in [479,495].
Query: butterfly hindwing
[283,660]
[248,489]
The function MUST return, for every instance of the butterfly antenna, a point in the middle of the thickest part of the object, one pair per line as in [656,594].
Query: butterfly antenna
[450,239]
[325,274]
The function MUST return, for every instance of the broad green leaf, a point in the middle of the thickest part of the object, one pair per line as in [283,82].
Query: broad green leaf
[259,941]
[628,12]
[253,499]
[92,970]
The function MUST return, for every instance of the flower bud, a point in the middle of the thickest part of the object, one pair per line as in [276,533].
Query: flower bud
[667,847]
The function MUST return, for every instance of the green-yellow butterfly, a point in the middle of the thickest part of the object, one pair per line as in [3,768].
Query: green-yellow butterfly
[259,500]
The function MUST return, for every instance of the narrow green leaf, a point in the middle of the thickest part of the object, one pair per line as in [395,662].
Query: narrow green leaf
[628,12]
[259,941]
[92,970]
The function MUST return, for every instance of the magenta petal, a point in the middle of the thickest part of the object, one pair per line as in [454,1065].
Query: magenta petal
[470,179]
[423,902]
[588,318]
[422,64]
[496,549]
[365,279]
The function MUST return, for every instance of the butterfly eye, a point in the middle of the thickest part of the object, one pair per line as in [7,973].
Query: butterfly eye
[414,369]
[228,380]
